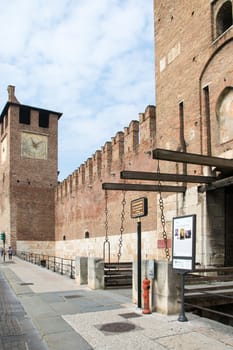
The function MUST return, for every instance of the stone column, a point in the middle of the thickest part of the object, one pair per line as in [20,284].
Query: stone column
[95,273]
[81,271]
[166,286]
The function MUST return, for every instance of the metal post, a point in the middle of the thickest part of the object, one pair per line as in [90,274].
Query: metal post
[62,266]
[182,317]
[139,263]
[4,252]
[71,267]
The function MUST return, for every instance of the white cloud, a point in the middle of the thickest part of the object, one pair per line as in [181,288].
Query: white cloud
[91,60]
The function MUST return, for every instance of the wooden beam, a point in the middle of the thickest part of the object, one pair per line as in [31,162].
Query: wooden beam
[139,187]
[228,181]
[192,158]
[148,176]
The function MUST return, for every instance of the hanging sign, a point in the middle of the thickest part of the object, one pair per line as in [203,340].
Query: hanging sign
[139,207]
[3,236]
[183,242]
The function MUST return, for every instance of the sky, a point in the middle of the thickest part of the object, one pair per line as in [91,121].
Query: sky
[92,60]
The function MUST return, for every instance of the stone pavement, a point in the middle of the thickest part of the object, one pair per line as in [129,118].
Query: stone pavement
[16,328]
[66,316]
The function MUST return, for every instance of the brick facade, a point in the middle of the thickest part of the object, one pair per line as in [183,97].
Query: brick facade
[194,45]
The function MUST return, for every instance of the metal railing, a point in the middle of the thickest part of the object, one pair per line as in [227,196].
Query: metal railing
[210,290]
[53,263]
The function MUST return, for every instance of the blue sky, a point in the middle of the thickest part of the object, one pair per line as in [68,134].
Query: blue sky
[91,60]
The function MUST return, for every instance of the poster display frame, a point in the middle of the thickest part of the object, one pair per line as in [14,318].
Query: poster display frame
[184,242]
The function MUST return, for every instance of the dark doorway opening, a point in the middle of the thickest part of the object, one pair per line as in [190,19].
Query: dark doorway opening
[229,226]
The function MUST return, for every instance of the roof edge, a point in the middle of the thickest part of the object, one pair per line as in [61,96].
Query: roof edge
[8,104]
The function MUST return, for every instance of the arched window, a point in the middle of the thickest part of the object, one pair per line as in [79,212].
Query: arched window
[224,18]
[224,113]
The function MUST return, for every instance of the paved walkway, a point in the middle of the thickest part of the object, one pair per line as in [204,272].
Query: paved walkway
[16,328]
[70,317]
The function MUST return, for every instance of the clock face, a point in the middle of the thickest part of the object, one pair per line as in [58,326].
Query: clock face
[34,146]
[4,150]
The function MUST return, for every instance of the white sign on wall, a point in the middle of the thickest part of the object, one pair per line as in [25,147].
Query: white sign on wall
[183,242]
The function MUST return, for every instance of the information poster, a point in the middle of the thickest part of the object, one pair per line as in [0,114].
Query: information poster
[184,238]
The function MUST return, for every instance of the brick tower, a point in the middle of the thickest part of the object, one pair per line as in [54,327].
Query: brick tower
[28,172]
[194,108]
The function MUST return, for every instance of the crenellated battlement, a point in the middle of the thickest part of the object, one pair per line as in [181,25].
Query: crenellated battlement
[118,150]
[74,180]
[147,122]
[81,175]
[110,159]
[106,159]
[131,139]
[88,171]
[97,163]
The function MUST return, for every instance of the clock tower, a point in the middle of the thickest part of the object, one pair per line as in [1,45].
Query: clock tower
[28,172]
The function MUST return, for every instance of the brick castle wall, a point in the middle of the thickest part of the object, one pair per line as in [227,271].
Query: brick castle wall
[80,200]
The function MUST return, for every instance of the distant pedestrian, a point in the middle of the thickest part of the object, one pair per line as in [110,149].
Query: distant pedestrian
[2,251]
[10,253]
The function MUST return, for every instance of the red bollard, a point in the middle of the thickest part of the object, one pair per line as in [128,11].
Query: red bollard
[146,296]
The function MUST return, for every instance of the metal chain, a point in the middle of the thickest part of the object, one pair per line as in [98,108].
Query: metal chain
[106,216]
[163,220]
[123,202]
[106,241]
